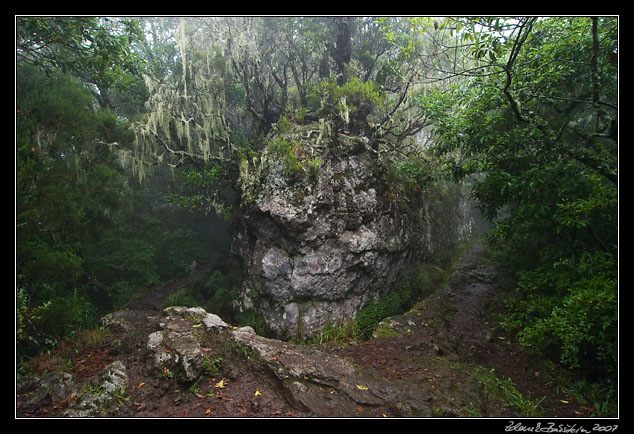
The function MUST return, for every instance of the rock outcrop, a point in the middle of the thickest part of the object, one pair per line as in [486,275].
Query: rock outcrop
[323,230]
[103,396]
[313,381]
[177,348]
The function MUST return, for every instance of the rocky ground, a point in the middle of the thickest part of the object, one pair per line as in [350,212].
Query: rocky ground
[444,358]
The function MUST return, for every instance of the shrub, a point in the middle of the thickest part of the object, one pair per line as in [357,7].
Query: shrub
[182,297]
[219,293]
[283,125]
[282,150]
[424,280]
[570,313]
[252,319]
[314,165]
[353,101]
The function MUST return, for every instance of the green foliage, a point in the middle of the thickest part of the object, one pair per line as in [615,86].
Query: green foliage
[176,249]
[351,102]
[285,152]
[96,49]
[252,319]
[313,165]
[215,293]
[54,111]
[424,280]
[337,333]
[118,257]
[536,131]
[220,293]
[521,405]
[182,297]
[570,312]
[202,190]
[27,317]
[413,175]
[75,259]
[283,124]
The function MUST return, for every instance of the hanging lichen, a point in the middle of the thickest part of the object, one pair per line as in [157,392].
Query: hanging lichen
[181,40]
[186,112]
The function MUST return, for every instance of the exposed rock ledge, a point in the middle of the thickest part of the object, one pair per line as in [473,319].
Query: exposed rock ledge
[320,383]
[312,381]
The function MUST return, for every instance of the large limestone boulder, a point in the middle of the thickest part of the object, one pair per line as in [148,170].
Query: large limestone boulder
[324,236]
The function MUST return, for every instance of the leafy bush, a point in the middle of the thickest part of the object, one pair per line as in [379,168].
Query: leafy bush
[283,151]
[182,297]
[118,256]
[352,102]
[424,280]
[570,313]
[283,124]
[219,293]
[252,319]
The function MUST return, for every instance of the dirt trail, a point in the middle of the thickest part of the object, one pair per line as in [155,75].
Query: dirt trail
[445,354]
[440,359]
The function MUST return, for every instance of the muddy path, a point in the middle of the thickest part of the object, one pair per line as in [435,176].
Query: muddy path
[451,358]
[443,358]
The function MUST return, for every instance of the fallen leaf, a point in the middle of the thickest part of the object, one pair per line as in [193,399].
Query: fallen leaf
[361,387]
[257,393]
[139,386]
[220,384]
[565,402]
[197,325]
[208,411]
[206,349]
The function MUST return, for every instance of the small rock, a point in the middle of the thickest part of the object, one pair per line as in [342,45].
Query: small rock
[103,398]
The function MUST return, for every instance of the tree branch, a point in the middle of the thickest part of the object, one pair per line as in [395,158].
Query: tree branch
[524,31]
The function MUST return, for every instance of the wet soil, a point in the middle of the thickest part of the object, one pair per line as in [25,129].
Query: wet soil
[450,351]
[440,359]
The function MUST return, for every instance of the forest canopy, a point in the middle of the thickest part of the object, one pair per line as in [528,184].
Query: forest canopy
[524,107]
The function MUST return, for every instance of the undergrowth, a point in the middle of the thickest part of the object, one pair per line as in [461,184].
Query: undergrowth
[424,280]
